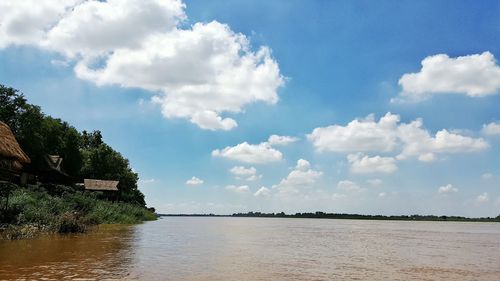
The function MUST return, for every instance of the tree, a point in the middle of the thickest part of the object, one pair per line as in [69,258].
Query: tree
[85,154]
[103,162]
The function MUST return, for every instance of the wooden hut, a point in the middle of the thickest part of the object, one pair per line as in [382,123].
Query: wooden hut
[107,187]
[12,157]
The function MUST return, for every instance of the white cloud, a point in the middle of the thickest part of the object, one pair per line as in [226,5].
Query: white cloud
[254,178]
[263,192]
[475,75]
[303,165]
[96,28]
[194,181]
[240,172]
[202,72]
[238,189]
[300,177]
[447,189]
[382,194]
[347,185]
[26,22]
[375,182]
[363,164]
[359,135]
[388,134]
[487,176]
[250,153]
[281,140]
[483,198]
[147,181]
[208,120]
[492,128]
[419,143]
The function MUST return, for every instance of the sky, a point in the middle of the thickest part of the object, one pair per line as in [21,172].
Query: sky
[371,107]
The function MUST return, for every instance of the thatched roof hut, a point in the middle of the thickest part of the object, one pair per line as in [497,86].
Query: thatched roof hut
[10,149]
[54,162]
[100,185]
[51,171]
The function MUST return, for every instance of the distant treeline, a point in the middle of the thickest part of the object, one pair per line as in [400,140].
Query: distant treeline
[322,215]
[192,215]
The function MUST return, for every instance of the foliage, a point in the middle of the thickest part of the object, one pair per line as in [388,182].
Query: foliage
[102,162]
[85,154]
[73,211]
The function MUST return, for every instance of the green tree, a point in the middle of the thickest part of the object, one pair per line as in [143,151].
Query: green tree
[103,162]
[85,154]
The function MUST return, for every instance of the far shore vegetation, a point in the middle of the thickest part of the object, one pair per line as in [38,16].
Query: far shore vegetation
[39,198]
[322,215]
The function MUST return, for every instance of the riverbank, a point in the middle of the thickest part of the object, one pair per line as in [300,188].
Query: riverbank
[31,212]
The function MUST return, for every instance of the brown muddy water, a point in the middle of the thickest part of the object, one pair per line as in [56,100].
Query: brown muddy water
[194,248]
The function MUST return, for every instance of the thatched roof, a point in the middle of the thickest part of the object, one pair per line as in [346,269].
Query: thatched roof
[9,147]
[91,184]
[54,162]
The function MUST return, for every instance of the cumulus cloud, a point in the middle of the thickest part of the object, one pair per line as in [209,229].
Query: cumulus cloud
[202,72]
[388,135]
[375,182]
[250,153]
[194,181]
[492,128]
[281,140]
[474,75]
[418,142]
[240,172]
[446,189]
[238,189]
[300,177]
[96,28]
[350,186]
[483,198]
[263,192]
[27,22]
[360,135]
[363,164]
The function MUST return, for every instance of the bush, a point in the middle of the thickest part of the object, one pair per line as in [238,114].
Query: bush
[15,232]
[71,223]
[32,211]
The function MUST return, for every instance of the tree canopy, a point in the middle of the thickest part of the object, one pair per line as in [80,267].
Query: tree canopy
[85,154]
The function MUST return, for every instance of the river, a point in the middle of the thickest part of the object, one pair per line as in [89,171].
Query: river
[218,248]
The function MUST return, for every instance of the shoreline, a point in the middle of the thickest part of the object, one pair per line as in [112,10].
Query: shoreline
[32,213]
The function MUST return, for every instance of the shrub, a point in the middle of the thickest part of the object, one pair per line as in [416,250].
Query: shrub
[71,223]
[15,232]
[31,211]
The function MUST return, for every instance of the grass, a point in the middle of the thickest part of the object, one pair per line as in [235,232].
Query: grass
[62,210]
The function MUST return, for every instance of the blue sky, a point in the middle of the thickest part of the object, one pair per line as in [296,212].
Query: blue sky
[172,84]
